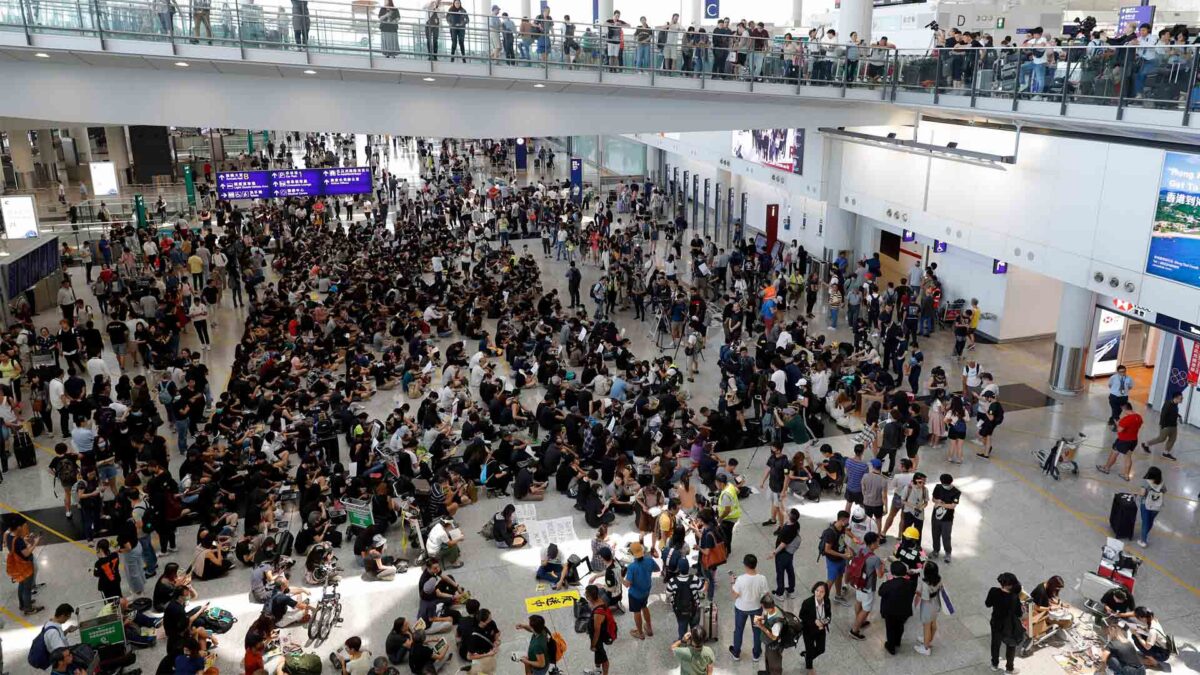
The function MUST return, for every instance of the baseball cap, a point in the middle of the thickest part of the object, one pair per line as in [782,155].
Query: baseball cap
[636,549]
[876,464]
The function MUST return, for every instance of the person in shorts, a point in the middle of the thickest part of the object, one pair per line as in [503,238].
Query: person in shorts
[1128,425]
[855,469]
[864,598]
[598,635]
[833,547]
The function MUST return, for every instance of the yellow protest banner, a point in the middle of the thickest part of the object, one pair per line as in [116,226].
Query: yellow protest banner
[545,603]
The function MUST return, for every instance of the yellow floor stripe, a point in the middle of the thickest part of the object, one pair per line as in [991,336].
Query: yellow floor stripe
[1126,486]
[15,617]
[1090,522]
[51,530]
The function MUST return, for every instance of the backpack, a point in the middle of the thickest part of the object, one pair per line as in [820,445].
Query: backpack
[608,634]
[487,531]
[302,664]
[997,413]
[164,393]
[556,646]
[856,571]
[829,534]
[582,612]
[39,653]
[792,630]
[684,603]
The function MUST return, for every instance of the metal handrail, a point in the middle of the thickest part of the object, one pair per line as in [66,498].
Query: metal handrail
[1021,73]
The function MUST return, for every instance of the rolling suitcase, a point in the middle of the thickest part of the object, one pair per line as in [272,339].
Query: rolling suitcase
[23,450]
[36,426]
[710,622]
[1124,515]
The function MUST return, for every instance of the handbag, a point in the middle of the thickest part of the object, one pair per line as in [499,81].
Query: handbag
[716,556]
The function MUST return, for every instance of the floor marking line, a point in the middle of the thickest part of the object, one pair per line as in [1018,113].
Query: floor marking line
[49,529]
[1104,481]
[15,617]
[1087,520]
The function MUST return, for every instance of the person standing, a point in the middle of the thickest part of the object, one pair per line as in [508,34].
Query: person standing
[748,590]
[913,503]
[1151,502]
[865,584]
[814,615]
[684,589]
[1168,426]
[20,563]
[776,472]
[1119,386]
[695,658]
[1005,603]
[770,624]
[874,493]
[833,547]
[639,576]
[729,508]
[896,603]
[945,501]
[929,604]
[602,629]
[787,542]
[1128,426]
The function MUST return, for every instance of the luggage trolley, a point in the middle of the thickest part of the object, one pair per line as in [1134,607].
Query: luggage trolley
[1060,456]
[102,647]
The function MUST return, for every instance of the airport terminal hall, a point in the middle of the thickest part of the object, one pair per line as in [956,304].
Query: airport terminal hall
[595,337]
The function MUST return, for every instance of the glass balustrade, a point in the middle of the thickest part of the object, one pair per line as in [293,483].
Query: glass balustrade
[1162,77]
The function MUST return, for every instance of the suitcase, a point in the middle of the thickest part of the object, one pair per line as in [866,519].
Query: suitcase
[710,622]
[36,426]
[1123,515]
[23,450]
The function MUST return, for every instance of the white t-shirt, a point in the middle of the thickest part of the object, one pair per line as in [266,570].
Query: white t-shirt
[438,537]
[750,589]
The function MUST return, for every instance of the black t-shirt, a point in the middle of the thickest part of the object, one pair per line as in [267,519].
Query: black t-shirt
[778,466]
[1125,652]
[947,495]
[523,483]
[1040,597]
[280,604]
[420,657]
[1110,600]
[831,538]
[787,534]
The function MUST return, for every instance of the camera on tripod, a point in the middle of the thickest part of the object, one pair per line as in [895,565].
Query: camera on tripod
[933,25]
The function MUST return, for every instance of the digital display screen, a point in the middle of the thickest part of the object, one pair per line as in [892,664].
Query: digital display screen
[293,183]
[781,149]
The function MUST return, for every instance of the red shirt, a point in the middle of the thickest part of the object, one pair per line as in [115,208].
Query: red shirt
[1128,426]
[253,662]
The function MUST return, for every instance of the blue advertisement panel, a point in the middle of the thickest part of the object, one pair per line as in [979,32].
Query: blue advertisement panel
[521,155]
[1175,241]
[576,180]
[296,183]
[244,184]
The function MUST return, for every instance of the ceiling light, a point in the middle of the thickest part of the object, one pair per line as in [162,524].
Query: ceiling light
[181,64]
[539,86]
[42,55]
[429,79]
[310,72]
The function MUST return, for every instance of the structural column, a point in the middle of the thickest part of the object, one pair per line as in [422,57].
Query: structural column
[835,232]
[118,151]
[798,12]
[853,17]
[604,9]
[1075,318]
[22,158]
[83,144]
[47,155]
[527,8]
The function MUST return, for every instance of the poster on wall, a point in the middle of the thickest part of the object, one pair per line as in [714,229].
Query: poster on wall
[1175,240]
[1106,348]
[781,149]
[104,179]
[20,217]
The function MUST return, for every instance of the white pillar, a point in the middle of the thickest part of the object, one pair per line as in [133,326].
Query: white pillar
[118,151]
[527,8]
[83,144]
[1075,316]
[22,158]
[854,17]
[47,155]
[605,9]
[838,231]
[798,12]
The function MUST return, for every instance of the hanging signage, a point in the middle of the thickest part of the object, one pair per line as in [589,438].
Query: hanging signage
[712,9]
[908,236]
[1134,16]
[351,180]
[1194,364]
[999,267]
[939,246]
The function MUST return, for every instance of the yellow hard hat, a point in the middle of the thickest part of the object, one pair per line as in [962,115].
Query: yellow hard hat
[911,533]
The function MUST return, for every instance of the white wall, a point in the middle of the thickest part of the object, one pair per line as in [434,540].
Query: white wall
[1030,304]
[1069,208]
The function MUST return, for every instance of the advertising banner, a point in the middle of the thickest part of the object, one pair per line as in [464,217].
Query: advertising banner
[104,179]
[1107,346]
[1175,240]
[20,217]
[781,149]
[576,180]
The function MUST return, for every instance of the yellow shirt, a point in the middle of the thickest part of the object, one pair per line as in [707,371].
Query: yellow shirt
[975,314]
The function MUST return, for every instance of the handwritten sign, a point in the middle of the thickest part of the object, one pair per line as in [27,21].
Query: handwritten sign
[545,603]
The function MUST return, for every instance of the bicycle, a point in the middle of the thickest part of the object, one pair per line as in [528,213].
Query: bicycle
[328,612]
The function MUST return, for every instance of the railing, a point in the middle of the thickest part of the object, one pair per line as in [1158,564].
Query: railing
[1160,77]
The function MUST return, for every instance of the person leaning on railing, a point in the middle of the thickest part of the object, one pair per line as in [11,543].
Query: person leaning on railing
[457,18]
[201,16]
[389,18]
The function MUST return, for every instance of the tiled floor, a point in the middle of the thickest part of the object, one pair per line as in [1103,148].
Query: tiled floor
[1012,519]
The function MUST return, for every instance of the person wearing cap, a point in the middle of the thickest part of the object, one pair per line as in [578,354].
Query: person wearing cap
[992,418]
[639,577]
[896,603]
[686,617]
[874,493]
[373,561]
[913,502]
[945,501]
[729,508]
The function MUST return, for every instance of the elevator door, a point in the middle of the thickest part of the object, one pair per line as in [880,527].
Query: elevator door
[1133,344]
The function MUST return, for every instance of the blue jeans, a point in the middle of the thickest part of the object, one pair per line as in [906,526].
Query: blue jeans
[784,569]
[181,432]
[523,49]
[925,327]
[25,593]
[643,56]
[739,624]
[852,315]
[684,625]
[90,518]
[551,572]
[1143,71]
[756,63]
[149,556]
[833,314]
[1037,71]
[1148,517]
[135,570]
[711,577]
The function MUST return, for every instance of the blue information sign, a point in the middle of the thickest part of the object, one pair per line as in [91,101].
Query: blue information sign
[348,181]
[244,184]
[293,183]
